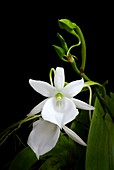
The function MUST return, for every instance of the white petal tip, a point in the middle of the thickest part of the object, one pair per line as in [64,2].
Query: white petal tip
[30,80]
[81,142]
[38,157]
[74,136]
[84,144]
[28,115]
[92,108]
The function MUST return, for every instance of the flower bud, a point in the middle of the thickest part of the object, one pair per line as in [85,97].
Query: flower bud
[67,25]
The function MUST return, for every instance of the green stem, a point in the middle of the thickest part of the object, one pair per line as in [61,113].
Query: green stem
[74,66]
[11,129]
[83,48]
[101,98]
[74,33]
[85,76]
[50,75]
[90,98]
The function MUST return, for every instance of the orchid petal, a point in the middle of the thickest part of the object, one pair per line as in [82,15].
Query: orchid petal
[82,105]
[59,112]
[37,108]
[73,88]
[59,78]
[43,137]
[42,87]
[74,136]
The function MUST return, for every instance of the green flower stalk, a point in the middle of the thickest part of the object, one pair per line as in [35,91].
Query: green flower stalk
[74,29]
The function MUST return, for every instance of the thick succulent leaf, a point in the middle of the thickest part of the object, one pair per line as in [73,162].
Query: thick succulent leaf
[100,144]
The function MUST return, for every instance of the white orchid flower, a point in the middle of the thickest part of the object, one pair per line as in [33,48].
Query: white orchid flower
[45,135]
[60,107]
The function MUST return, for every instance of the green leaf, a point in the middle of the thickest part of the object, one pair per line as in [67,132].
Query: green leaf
[110,103]
[100,144]
[51,163]
[24,160]
[110,128]
[112,95]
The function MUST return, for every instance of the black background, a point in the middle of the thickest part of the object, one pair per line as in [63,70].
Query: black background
[28,31]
